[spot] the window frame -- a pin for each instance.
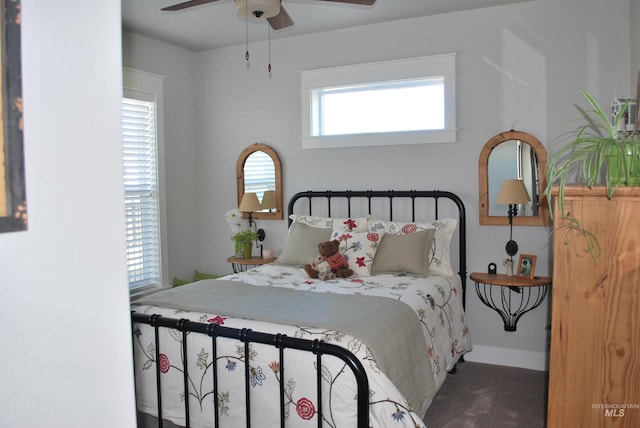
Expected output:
(443, 65)
(151, 86)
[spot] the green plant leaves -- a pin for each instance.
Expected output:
(574, 234)
(595, 153)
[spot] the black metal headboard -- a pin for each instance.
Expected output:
(364, 201)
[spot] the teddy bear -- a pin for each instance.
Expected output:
(338, 264)
(322, 268)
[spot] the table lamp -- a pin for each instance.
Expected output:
(250, 204)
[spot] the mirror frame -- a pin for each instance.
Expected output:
(542, 219)
(242, 158)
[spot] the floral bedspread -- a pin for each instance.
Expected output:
(436, 300)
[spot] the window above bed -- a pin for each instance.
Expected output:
(410, 101)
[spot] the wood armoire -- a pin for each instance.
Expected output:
(594, 372)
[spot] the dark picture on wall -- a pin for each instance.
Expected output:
(13, 200)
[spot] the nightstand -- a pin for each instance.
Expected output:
(241, 265)
(510, 296)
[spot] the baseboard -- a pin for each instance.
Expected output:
(508, 357)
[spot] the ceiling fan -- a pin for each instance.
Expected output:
(272, 10)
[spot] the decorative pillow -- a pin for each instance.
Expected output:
(439, 256)
(199, 276)
(177, 282)
(355, 224)
(359, 248)
(404, 253)
(302, 244)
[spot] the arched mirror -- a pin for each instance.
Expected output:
(258, 170)
(513, 154)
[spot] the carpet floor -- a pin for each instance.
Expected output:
(484, 395)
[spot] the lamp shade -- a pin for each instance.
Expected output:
(249, 203)
(513, 192)
(269, 200)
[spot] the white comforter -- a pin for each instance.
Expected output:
(436, 301)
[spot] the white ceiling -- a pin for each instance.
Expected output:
(216, 24)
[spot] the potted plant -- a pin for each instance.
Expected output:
(244, 242)
(599, 152)
(243, 236)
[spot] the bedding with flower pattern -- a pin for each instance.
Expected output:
(436, 301)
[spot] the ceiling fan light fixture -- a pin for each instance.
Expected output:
(258, 8)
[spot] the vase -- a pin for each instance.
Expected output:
(239, 254)
(632, 160)
(247, 249)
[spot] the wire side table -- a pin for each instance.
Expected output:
(510, 296)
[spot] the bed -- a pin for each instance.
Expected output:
(272, 347)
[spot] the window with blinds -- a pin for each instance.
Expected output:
(139, 140)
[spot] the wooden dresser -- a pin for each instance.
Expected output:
(594, 374)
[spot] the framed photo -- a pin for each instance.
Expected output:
(13, 199)
(526, 266)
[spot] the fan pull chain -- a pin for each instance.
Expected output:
(246, 24)
(269, 36)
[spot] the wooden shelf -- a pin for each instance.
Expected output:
(241, 264)
(255, 260)
(509, 281)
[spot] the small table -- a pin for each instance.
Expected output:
(241, 265)
(516, 295)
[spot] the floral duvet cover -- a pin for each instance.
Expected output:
(436, 300)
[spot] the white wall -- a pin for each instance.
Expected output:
(64, 305)
(519, 66)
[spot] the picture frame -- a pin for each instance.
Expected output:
(526, 266)
(13, 199)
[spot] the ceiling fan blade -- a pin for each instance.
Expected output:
(281, 20)
(362, 2)
(186, 5)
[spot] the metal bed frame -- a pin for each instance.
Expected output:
(283, 342)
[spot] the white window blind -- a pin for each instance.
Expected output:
(139, 139)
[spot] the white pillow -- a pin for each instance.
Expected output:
(354, 224)
(359, 248)
(440, 257)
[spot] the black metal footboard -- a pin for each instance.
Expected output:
(247, 336)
